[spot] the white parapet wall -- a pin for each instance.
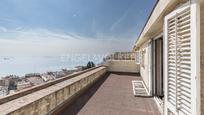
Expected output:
(127, 66)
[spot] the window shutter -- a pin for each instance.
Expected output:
(172, 80)
(178, 69)
(184, 61)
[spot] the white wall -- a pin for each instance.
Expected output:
(146, 70)
(128, 66)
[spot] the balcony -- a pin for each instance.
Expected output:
(100, 90)
(112, 95)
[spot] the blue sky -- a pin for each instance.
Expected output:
(56, 27)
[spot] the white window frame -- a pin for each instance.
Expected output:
(195, 32)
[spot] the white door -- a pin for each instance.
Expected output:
(180, 63)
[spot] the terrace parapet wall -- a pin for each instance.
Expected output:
(46, 100)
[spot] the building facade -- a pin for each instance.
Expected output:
(170, 47)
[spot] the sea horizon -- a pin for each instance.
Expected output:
(21, 65)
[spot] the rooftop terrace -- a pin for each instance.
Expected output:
(96, 91)
(112, 95)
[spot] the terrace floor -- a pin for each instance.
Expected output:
(112, 95)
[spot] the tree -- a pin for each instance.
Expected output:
(90, 64)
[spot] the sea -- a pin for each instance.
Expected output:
(21, 65)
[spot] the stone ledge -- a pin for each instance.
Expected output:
(42, 101)
(39, 87)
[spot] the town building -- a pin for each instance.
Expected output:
(10, 81)
(3, 91)
(47, 77)
(34, 78)
(23, 85)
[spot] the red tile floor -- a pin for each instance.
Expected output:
(112, 95)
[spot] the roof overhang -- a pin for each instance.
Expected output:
(154, 24)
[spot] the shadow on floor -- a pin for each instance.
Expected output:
(125, 73)
(77, 105)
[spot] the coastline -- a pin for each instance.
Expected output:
(20, 65)
(12, 83)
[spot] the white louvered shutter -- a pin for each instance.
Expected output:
(184, 62)
(178, 76)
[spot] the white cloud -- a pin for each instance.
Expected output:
(3, 29)
(42, 42)
(74, 15)
(116, 23)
